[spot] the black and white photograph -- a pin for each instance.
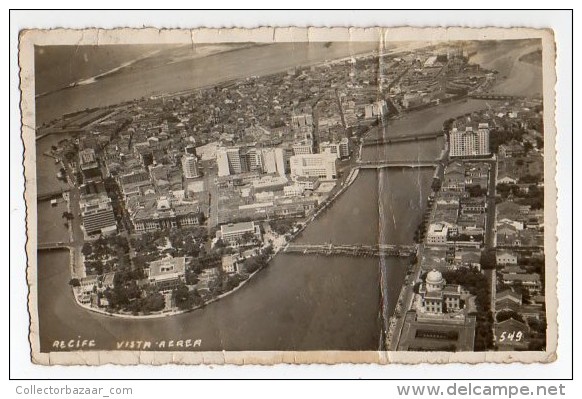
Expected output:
(383, 196)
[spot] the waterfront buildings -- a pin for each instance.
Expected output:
(329, 148)
(97, 215)
(469, 141)
(378, 109)
(233, 233)
(231, 264)
(166, 274)
(88, 163)
(322, 166)
(441, 318)
(437, 296)
(344, 148)
(437, 234)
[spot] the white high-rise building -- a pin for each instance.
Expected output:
(322, 166)
(222, 162)
(469, 142)
(190, 166)
(234, 160)
(236, 163)
(344, 147)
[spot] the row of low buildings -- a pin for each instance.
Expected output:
(457, 218)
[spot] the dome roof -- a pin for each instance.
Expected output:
(434, 277)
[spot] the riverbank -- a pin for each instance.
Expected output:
(163, 314)
(191, 74)
(77, 262)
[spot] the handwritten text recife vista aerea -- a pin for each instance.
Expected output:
(163, 344)
(90, 344)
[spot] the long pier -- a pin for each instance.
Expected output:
(402, 138)
(50, 246)
(360, 250)
(50, 195)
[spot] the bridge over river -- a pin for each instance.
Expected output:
(51, 195)
(51, 246)
(351, 250)
(396, 164)
(403, 138)
(497, 97)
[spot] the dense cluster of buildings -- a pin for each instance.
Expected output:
(431, 77)
(458, 215)
(271, 147)
(462, 223)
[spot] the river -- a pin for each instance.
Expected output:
(158, 76)
(297, 302)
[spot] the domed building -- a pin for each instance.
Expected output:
(442, 318)
(438, 297)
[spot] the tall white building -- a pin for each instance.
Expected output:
(344, 147)
(190, 166)
(234, 160)
(469, 142)
(322, 166)
(222, 162)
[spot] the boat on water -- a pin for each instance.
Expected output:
(54, 202)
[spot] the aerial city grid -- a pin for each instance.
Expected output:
(353, 200)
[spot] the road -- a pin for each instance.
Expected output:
(210, 173)
(407, 300)
(76, 233)
(491, 193)
(490, 229)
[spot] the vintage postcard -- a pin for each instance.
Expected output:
(290, 195)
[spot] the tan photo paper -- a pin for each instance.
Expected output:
(290, 195)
